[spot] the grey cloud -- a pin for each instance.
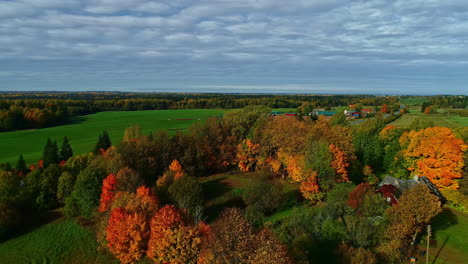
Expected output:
(237, 36)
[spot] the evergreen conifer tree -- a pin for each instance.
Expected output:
(106, 142)
(66, 151)
(98, 145)
(21, 165)
(50, 154)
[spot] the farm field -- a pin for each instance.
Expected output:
(450, 121)
(84, 131)
(61, 241)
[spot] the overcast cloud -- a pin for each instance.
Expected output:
(314, 46)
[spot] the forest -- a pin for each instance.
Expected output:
(311, 186)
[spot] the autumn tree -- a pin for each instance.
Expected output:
(247, 153)
(233, 240)
(340, 163)
(109, 186)
(128, 229)
(268, 250)
(132, 133)
(416, 207)
(436, 153)
(171, 239)
(310, 188)
(355, 198)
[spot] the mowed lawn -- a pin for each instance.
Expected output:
(451, 121)
(62, 241)
(84, 131)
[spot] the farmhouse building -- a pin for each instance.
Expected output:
(391, 188)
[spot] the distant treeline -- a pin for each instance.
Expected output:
(29, 110)
(452, 102)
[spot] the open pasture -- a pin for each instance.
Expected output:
(445, 120)
(84, 130)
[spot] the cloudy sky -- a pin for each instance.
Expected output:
(261, 46)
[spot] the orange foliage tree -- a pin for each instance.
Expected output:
(247, 153)
(436, 153)
(310, 188)
(109, 185)
(339, 163)
(171, 240)
(127, 230)
(174, 172)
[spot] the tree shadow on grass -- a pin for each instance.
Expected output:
(440, 250)
(219, 196)
(77, 120)
(31, 222)
(443, 221)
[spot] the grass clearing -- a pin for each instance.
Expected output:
(84, 130)
(444, 120)
(449, 243)
(225, 190)
(61, 241)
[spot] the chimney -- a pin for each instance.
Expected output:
(416, 178)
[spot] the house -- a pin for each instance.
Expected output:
(367, 111)
(290, 114)
(391, 188)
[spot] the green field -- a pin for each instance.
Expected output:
(84, 130)
(451, 121)
(62, 241)
(449, 243)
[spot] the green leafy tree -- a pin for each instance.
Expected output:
(47, 192)
(66, 182)
(9, 201)
(66, 151)
(86, 193)
(339, 119)
(187, 192)
(262, 198)
(318, 158)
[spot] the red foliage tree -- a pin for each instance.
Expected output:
(127, 230)
(109, 185)
(355, 197)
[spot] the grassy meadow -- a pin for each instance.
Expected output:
(451, 121)
(84, 130)
(61, 241)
